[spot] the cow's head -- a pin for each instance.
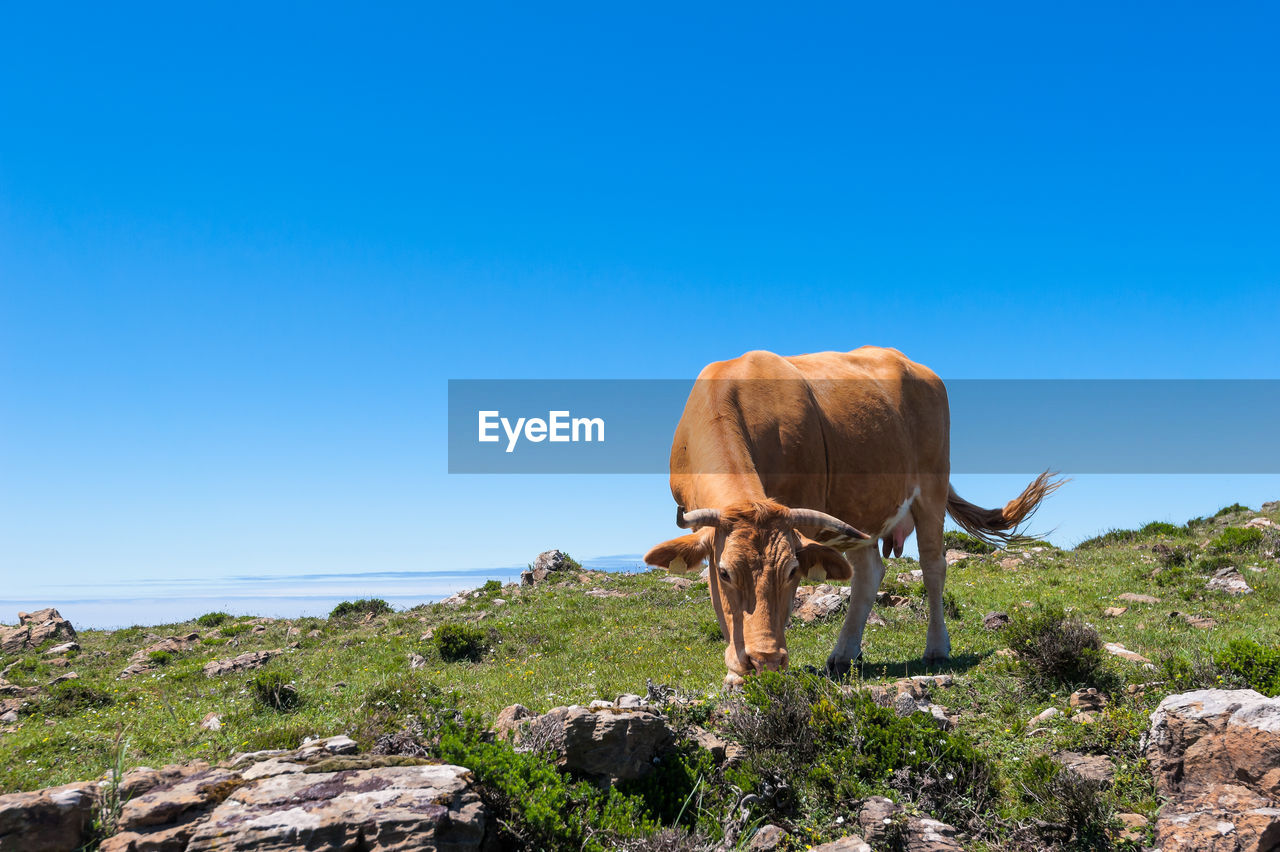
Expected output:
(758, 558)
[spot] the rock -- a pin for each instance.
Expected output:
(1088, 700)
(1004, 652)
(1118, 650)
(889, 600)
(1259, 523)
(1096, 768)
(9, 716)
(1115, 611)
(1010, 562)
(547, 563)
(1215, 755)
(614, 745)
(629, 701)
(1202, 622)
(63, 678)
(508, 723)
(878, 815)
(1134, 826)
(56, 819)
(141, 660)
(816, 607)
(1134, 598)
(417, 661)
(954, 556)
(1045, 715)
(64, 648)
(852, 843)
(766, 839)
(1273, 506)
(606, 593)
(1229, 580)
(211, 722)
(680, 583)
(244, 662)
(718, 747)
(996, 620)
(314, 634)
(34, 629)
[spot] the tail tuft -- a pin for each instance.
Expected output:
(1001, 527)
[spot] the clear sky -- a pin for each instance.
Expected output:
(243, 247)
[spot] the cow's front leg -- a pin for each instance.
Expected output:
(868, 571)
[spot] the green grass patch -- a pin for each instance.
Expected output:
(361, 607)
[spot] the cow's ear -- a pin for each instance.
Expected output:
(819, 562)
(681, 554)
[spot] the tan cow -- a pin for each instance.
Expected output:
(778, 464)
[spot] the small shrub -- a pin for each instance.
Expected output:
(1230, 510)
(1108, 538)
(956, 540)
(363, 606)
(460, 642)
(1236, 540)
(1057, 650)
(1075, 808)
(71, 698)
(236, 629)
(212, 619)
(1212, 564)
(1185, 673)
(1257, 665)
(1160, 528)
(160, 658)
(1174, 576)
(710, 631)
(274, 691)
(491, 587)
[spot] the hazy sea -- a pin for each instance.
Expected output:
(109, 605)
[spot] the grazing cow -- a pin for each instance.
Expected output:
(779, 464)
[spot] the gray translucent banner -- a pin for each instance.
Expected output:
(997, 426)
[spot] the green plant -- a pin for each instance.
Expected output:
(1230, 510)
(71, 698)
(1257, 665)
(160, 658)
(212, 619)
(111, 800)
(460, 642)
(956, 540)
(275, 691)
(491, 587)
(1161, 528)
(1057, 650)
(1236, 540)
(363, 606)
(710, 631)
(1077, 811)
(1107, 538)
(236, 629)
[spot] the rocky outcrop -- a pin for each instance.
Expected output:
(244, 662)
(1215, 754)
(1229, 580)
(606, 742)
(547, 563)
(51, 820)
(913, 695)
(814, 603)
(144, 661)
(887, 824)
(34, 629)
(319, 797)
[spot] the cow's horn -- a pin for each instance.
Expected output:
(696, 518)
(813, 518)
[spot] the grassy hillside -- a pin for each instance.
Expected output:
(556, 644)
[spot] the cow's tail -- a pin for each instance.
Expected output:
(1002, 527)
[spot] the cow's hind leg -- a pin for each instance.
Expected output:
(868, 571)
(929, 516)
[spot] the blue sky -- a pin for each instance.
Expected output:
(243, 248)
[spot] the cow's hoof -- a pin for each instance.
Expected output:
(733, 681)
(838, 669)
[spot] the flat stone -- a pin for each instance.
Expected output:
(954, 556)
(1131, 597)
(244, 662)
(996, 620)
(55, 819)
(1229, 580)
(766, 839)
(1115, 611)
(1118, 650)
(1096, 768)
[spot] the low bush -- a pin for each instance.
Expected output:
(1108, 538)
(1236, 540)
(71, 698)
(956, 540)
(1161, 528)
(1258, 666)
(810, 744)
(1186, 672)
(1057, 650)
(212, 619)
(363, 606)
(1230, 510)
(236, 629)
(710, 631)
(274, 691)
(460, 642)
(1076, 813)
(160, 658)
(491, 587)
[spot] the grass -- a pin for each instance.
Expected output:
(554, 645)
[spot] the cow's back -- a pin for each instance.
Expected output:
(843, 432)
